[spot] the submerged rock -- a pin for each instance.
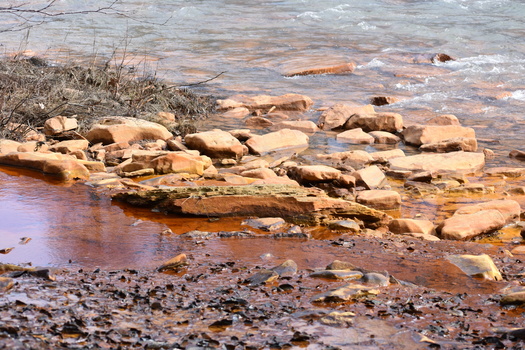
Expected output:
(345, 68)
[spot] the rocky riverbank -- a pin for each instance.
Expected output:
(268, 172)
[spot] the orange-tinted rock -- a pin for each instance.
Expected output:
(505, 171)
(370, 177)
(391, 122)
(258, 122)
(423, 134)
(384, 137)
(314, 173)
(339, 69)
(261, 173)
(59, 124)
(517, 154)
(403, 226)
(349, 159)
(126, 129)
(288, 102)
(178, 162)
(355, 136)
(69, 146)
(384, 156)
(453, 162)
(463, 227)
(383, 100)
(279, 140)
(33, 146)
(215, 143)
(379, 199)
(306, 126)
(510, 209)
(337, 115)
(55, 164)
(8, 146)
(452, 145)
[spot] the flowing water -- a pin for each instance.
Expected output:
(254, 45)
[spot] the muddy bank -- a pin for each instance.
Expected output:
(209, 304)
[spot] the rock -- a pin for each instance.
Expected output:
(404, 226)
(423, 134)
(126, 129)
(386, 121)
(286, 269)
(178, 162)
(261, 173)
(505, 172)
(345, 293)
(355, 136)
(514, 298)
(266, 224)
(344, 225)
(175, 145)
(421, 188)
(166, 117)
(379, 199)
(54, 164)
(174, 263)
(346, 181)
(383, 100)
(288, 102)
(384, 137)
(422, 236)
(337, 274)
(258, 122)
(8, 146)
(70, 146)
(241, 134)
(477, 266)
(314, 173)
(517, 154)
(237, 113)
(6, 283)
(370, 177)
(510, 209)
(346, 68)
(33, 146)
(337, 115)
(276, 141)
(59, 124)
(384, 156)
(452, 145)
(295, 204)
(262, 277)
(306, 126)
(376, 279)
(341, 265)
(445, 119)
(467, 226)
(215, 143)
(453, 162)
(338, 319)
(349, 159)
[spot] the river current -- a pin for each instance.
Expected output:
(254, 45)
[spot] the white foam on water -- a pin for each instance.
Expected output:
(517, 95)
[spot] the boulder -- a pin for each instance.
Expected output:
(379, 199)
(453, 162)
(510, 209)
(288, 102)
(391, 122)
(452, 145)
(370, 177)
(404, 226)
(70, 146)
(59, 124)
(56, 164)
(276, 141)
(355, 136)
(423, 134)
(345, 68)
(306, 126)
(445, 119)
(383, 100)
(337, 115)
(126, 129)
(384, 137)
(314, 173)
(467, 226)
(215, 143)
(178, 162)
(8, 146)
(349, 159)
(477, 266)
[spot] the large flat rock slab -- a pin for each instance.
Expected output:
(453, 162)
(296, 204)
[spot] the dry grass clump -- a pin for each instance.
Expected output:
(33, 91)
